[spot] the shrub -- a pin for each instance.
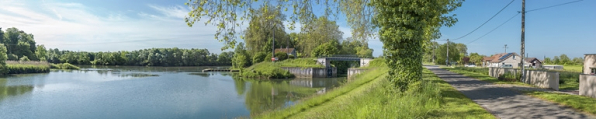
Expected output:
(259, 57)
(508, 76)
(64, 66)
(281, 56)
(268, 57)
(24, 58)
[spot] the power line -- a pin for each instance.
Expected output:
(553, 6)
(486, 21)
(495, 28)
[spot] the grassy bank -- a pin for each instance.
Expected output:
(274, 70)
(582, 103)
(64, 66)
(371, 96)
(27, 68)
(22, 67)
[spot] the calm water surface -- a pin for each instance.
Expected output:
(148, 92)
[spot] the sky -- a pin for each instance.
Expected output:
(115, 25)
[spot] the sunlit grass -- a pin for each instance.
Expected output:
(27, 68)
(372, 96)
(586, 104)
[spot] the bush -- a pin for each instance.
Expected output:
(24, 58)
(63, 66)
(268, 57)
(281, 56)
(508, 76)
(259, 57)
(12, 57)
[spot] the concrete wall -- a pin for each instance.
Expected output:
(589, 62)
(587, 85)
(354, 71)
(542, 79)
(365, 61)
(310, 72)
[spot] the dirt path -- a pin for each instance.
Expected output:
(503, 102)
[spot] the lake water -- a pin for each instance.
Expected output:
(149, 92)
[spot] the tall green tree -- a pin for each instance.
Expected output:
(454, 53)
(547, 60)
(564, 59)
(262, 29)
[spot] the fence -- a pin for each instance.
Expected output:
(542, 79)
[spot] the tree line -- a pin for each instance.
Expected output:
(19, 45)
(458, 52)
(563, 59)
(320, 38)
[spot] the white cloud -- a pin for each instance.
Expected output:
(74, 26)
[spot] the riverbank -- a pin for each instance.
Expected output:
(370, 95)
(273, 70)
(24, 67)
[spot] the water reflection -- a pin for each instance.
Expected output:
(266, 95)
(8, 91)
(155, 93)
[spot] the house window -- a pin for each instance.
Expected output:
(593, 71)
(514, 57)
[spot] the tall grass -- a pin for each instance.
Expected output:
(64, 66)
(27, 68)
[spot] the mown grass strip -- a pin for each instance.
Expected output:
(582, 103)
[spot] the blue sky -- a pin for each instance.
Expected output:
(113, 25)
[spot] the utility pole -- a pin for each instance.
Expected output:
(447, 60)
(505, 48)
(273, 44)
(523, 40)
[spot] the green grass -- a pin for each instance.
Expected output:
(372, 96)
(480, 74)
(64, 66)
(582, 103)
(27, 68)
(573, 68)
(274, 70)
(568, 80)
(302, 62)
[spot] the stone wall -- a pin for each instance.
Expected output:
(587, 85)
(542, 79)
(310, 72)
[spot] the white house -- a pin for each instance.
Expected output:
(501, 59)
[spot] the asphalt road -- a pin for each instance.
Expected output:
(505, 103)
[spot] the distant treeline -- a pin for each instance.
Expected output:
(144, 57)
